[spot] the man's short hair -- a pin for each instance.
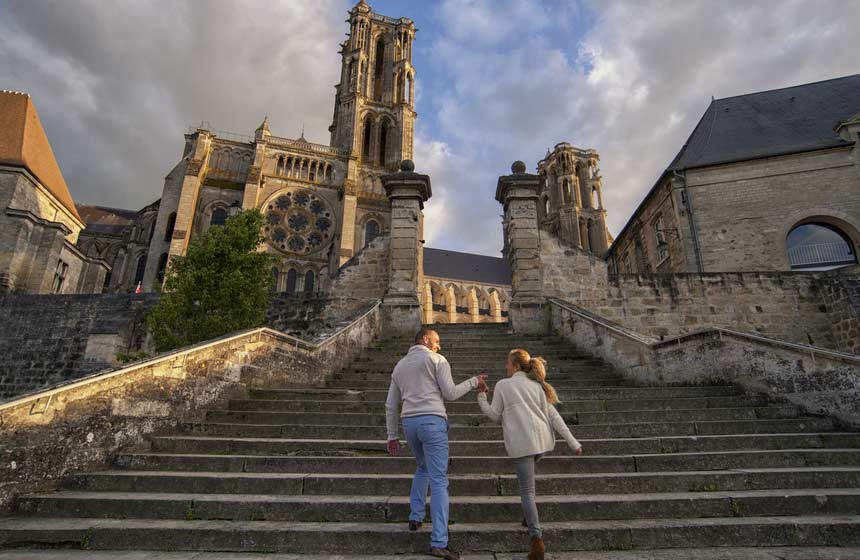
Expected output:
(425, 331)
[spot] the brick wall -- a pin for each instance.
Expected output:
(46, 339)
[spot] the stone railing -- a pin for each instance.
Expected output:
(80, 425)
(821, 381)
(307, 146)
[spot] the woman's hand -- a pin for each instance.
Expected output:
(482, 384)
(578, 452)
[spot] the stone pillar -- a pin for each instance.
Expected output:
(194, 172)
(474, 313)
(428, 304)
(451, 304)
(407, 192)
(518, 193)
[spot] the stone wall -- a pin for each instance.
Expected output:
(841, 294)
(80, 426)
(46, 339)
(791, 306)
(361, 280)
(820, 381)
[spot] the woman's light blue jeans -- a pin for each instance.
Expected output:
(428, 439)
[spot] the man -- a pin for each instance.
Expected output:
(420, 380)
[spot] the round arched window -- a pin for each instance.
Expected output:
(817, 246)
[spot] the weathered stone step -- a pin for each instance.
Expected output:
(464, 509)
(381, 463)
(632, 393)
(684, 444)
(470, 405)
(382, 381)
(383, 376)
(465, 485)
(584, 431)
(633, 416)
(718, 553)
(388, 538)
(494, 367)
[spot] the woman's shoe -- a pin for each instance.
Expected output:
(537, 549)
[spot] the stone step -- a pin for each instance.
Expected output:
(468, 405)
(465, 485)
(494, 367)
(584, 431)
(629, 393)
(684, 444)
(359, 382)
(633, 416)
(394, 538)
(381, 463)
(383, 376)
(718, 553)
(464, 509)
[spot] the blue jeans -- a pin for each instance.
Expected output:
(428, 439)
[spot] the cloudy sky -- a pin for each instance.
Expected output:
(117, 82)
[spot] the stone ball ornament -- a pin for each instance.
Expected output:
(407, 166)
(298, 222)
(518, 167)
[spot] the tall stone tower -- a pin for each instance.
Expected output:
(571, 198)
(373, 111)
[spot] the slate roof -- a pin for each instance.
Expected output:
(764, 124)
(768, 123)
(101, 219)
(466, 266)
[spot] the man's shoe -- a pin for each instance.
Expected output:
(536, 552)
(446, 553)
(414, 525)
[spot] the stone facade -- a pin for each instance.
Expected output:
(804, 307)
(323, 203)
(39, 224)
(735, 192)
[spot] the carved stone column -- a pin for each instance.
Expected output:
(407, 192)
(518, 193)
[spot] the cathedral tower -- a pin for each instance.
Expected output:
(373, 111)
(572, 198)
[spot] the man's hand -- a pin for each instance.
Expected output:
(482, 384)
(393, 447)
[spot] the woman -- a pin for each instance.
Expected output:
(523, 403)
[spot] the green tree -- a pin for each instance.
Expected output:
(221, 285)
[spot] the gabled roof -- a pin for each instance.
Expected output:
(768, 123)
(23, 143)
(466, 266)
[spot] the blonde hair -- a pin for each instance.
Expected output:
(534, 368)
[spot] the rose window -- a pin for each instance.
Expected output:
(299, 222)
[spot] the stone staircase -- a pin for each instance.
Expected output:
(303, 472)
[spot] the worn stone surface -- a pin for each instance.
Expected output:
(82, 426)
(45, 339)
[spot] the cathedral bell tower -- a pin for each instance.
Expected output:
(374, 114)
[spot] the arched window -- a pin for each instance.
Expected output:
(171, 223)
(219, 217)
(366, 137)
(371, 231)
(275, 274)
(546, 206)
(279, 168)
(162, 267)
(383, 142)
(595, 199)
(141, 268)
(568, 195)
(409, 88)
(378, 68)
(309, 282)
(328, 174)
(312, 173)
(106, 285)
(151, 232)
(291, 281)
(398, 94)
(819, 246)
